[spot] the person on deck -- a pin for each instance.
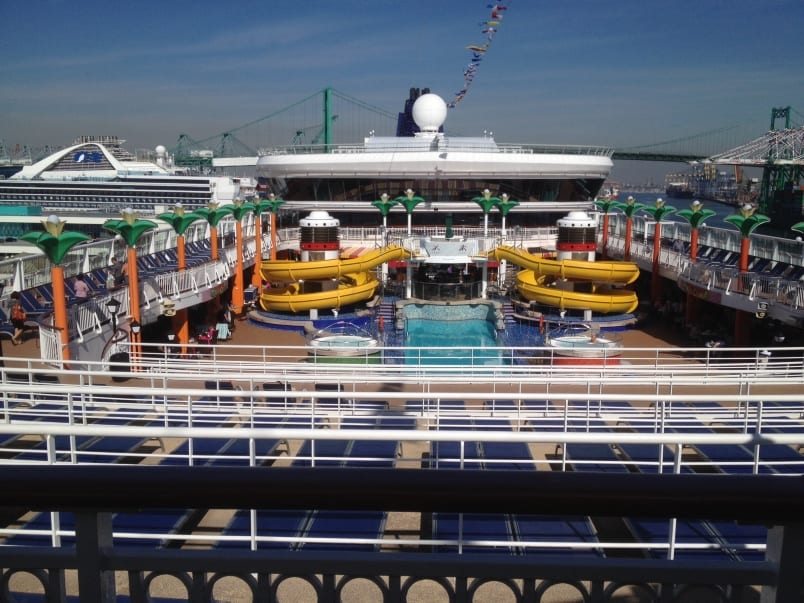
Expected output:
(80, 287)
(18, 317)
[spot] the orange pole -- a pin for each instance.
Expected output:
(181, 323)
(745, 248)
(604, 243)
(627, 249)
(60, 309)
(213, 237)
(238, 296)
(694, 245)
(656, 282)
(181, 252)
(256, 277)
(692, 302)
(742, 319)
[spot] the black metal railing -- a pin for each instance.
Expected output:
(94, 493)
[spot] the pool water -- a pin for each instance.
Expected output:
(451, 342)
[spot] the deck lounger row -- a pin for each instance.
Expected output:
(293, 525)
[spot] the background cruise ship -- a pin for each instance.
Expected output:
(96, 174)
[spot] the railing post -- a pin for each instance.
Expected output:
(93, 537)
(786, 550)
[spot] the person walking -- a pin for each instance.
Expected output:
(18, 317)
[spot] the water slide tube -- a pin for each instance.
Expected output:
(351, 289)
(293, 270)
(534, 282)
(355, 284)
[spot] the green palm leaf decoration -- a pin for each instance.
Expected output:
(214, 213)
(180, 219)
(55, 242)
(606, 205)
(130, 228)
(486, 201)
(696, 215)
(505, 205)
(384, 204)
(409, 200)
(747, 221)
(629, 207)
(271, 204)
(659, 210)
(239, 209)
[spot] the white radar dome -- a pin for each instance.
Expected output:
(429, 112)
(160, 150)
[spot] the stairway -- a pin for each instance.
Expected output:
(508, 313)
(386, 314)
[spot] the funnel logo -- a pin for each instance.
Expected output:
(88, 157)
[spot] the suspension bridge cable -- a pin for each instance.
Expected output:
(275, 113)
(685, 138)
(364, 105)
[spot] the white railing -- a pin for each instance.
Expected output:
(62, 426)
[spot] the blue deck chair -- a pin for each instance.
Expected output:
(473, 527)
(449, 455)
(338, 524)
(322, 453)
(531, 529)
(276, 523)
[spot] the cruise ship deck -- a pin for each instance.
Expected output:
(487, 475)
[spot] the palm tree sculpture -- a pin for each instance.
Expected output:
(486, 203)
(261, 205)
(384, 204)
(409, 200)
(747, 221)
(180, 220)
(658, 212)
(55, 242)
(131, 229)
(606, 204)
(239, 210)
(629, 208)
(505, 206)
(213, 214)
(695, 215)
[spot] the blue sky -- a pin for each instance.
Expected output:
(616, 72)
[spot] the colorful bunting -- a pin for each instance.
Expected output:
(489, 28)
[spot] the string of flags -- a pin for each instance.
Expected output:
(488, 28)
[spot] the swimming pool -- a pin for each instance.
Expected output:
(455, 334)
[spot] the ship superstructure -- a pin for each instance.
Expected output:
(447, 171)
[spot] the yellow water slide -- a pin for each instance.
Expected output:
(535, 282)
(355, 282)
(293, 270)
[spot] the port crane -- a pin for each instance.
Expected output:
(780, 154)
